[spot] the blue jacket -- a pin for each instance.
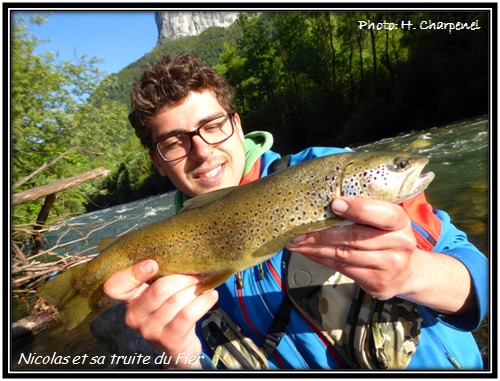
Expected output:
(446, 341)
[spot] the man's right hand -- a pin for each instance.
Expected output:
(164, 312)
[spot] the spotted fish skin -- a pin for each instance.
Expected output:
(222, 232)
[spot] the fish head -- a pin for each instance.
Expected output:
(386, 176)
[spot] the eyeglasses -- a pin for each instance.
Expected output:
(180, 143)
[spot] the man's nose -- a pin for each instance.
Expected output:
(200, 149)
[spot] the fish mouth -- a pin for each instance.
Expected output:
(423, 181)
(415, 183)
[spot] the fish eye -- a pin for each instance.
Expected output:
(400, 164)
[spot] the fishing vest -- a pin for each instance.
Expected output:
(367, 333)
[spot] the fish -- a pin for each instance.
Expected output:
(225, 231)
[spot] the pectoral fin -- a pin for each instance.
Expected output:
(215, 280)
(320, 225)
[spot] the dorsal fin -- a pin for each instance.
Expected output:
(205, 199)
(105, 243)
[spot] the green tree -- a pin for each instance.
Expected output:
(52, 111)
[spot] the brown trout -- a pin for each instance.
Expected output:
(225, 231)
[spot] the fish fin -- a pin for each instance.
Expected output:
(215, 280)
(75, 311)
(105, 243)
(58, 291)
(205, 199)
(319, 225)
(73, 308)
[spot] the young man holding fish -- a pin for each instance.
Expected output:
(177, 104)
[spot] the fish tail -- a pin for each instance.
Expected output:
(73, 307)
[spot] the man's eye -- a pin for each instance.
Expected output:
(213, 127)
(170, 142)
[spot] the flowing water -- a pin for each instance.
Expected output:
(459, 156)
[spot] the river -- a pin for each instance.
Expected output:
(459, 156)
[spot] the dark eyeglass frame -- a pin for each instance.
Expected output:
(196, 132)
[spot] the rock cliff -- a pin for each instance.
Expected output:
(173, 25)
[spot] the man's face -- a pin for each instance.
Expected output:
(207, 167)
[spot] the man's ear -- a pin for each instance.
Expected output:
(238, 128)
(156, 161)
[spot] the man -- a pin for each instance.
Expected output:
(184, 115)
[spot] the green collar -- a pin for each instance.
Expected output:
(255, 144)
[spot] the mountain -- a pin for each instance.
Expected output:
(173, 25)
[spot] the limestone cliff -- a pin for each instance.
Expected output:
(173, 25)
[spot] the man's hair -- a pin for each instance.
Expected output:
(168, 82)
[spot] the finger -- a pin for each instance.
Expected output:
(194, 311)
(379, 214)
(357, 236)
(171, 327)
(343, 256)
(163, 298)
(343, 267)
(127, 284)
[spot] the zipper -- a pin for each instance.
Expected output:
(239, 290)
(447, 354)
(427, 241)
(276, 277)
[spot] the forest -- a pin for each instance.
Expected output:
(310, 78)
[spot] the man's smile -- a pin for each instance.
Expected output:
(210, 175)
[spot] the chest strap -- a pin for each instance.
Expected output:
(277, 329)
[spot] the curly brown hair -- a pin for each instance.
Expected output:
(168, 82)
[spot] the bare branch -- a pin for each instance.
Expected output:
(44, 190)
(30, 273)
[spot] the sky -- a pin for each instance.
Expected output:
(116, 37)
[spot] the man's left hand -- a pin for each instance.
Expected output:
(376, 251)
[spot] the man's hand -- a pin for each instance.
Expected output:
(164, 312)
(376, 251)
(379, 253)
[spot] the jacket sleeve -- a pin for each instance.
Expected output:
(454, 242)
